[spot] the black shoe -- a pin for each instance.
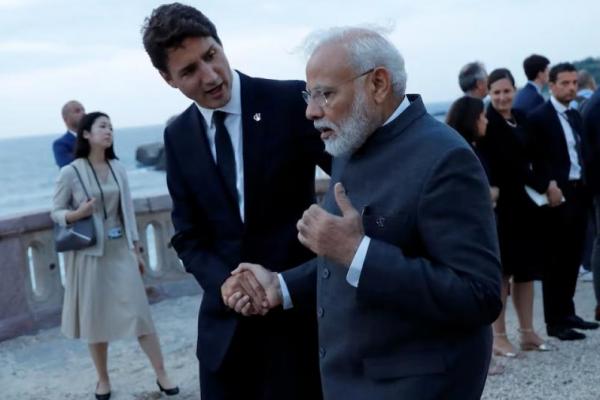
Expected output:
(104, 396)
(168, 392)
(579, 323)
(564, 333)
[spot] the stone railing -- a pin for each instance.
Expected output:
(31, 272)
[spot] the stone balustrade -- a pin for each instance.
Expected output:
(31, 282)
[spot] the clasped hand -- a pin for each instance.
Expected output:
(253, 290)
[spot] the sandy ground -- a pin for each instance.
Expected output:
(48, 366)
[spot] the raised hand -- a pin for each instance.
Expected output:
(328, 235)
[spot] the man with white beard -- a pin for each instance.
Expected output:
(407, 278)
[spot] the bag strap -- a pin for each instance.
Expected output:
(81, 181)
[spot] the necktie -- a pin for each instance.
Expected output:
(574, 118)
(225, 155)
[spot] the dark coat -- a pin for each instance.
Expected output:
(63, 149)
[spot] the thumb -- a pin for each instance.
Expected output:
(342, 200)
(241, 268)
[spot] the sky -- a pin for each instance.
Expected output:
(54, 51)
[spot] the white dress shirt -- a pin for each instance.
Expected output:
(358, 261)
(575, 170)
(233, 123)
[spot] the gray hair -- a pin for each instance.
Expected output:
(585, 80)
(366, 49)
(470, 74)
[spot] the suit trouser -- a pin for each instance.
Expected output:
(566, 226)
(595, 263)
(268, 359)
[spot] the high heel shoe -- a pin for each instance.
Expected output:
(168, 392)
(105, 396)
(531, 346)
(502, 353)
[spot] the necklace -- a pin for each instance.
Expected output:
(512, 123)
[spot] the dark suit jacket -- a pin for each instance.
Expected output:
(63, 149)
(527, 99)
(280, 154)
(591, 129)
(417, 326)
(549, 151)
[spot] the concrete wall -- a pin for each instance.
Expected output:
(31, 290)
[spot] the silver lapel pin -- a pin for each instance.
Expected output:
(256, 117)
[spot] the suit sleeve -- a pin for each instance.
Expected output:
(62, 154)
(63, 193)
(192, 239)
(457, 281)
(301, 282)
(541, 174)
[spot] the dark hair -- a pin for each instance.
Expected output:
(82, 145)
(534, 64)
(469, 75)
(168, 26)
(500, 73)
(558, 68)
(463, 116)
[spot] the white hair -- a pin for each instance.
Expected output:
(367, 48)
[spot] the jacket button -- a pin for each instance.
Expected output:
(320, 312)
(321, 352)
(325, 273)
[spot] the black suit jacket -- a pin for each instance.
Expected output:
(280, 151)
(528, 99)
(591, 129)
(549, 151)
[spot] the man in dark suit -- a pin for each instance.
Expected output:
(591, 125)
(529, 96)
(472, 80)
(240, 170)
(408, 275)
(559, 159)
(63, 147)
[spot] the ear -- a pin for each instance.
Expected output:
(167, 77)
(380, 84)
(86, 134)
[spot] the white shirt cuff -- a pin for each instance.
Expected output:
(358, 261)
(285, 293)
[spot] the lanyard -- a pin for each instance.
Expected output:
(100, 187)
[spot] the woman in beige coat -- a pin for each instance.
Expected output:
(105, 298)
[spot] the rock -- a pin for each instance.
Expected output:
(149, 154)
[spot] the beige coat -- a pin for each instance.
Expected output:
(69, 194)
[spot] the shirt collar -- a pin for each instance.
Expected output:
(403, 106)
(72, 132)
(587, 93)
(536, 86)
(234, 106)
(560, 108)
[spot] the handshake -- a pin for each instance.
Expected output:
(254, 290)
(251, 290)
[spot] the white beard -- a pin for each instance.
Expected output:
(352, 132)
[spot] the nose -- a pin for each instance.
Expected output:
(313, 111)
(208, 73)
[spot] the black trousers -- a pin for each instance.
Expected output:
(270, 358)
(565, 230)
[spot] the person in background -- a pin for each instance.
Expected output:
(105, 299)
(558, 155)
(586, 86)
(591, 124)
(530, 96)
(472, 80)
(63, 147)
(467, 116)
(505, 149)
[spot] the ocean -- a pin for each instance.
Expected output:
(28, 171)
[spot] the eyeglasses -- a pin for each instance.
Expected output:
(322, 95)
